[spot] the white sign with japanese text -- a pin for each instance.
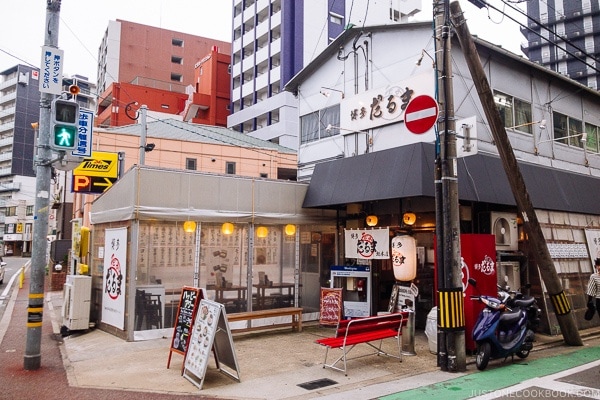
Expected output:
(369, 244)
(383, 106)
(51, 70)
(592, 237)
(114, 276)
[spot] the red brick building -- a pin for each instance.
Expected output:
(152, 66)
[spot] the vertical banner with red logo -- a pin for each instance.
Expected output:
(478, 261)
(114, 277)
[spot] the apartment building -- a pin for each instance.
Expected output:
(19, 116)
(564, 35)
(274, 39)
(161, 60)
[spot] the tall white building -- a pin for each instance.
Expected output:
(274, 39)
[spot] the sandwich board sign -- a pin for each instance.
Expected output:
(186, 314)
(211, 333)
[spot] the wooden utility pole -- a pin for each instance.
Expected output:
(560, 302)
(451, 351)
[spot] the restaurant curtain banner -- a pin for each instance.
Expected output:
(368, 244)
(113, 277)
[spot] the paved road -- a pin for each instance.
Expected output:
(574, 375)
(13, 266)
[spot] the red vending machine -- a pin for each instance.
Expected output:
(478, 261)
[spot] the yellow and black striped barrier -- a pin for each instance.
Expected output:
(35, 311)
(561, 303)
(451, 309)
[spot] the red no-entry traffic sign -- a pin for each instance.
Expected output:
(421, 114)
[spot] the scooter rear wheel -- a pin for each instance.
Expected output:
(482, 358)
(522, 353)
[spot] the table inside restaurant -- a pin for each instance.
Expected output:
(279, 298)
(220, 295)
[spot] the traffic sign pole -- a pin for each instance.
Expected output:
(32, 358)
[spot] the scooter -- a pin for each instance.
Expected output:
(516, 299)
(501, 331)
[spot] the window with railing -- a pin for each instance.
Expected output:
(592, 132)
(567, 130)
(313, 126)
(515, 113)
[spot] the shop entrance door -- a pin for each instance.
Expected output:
(316, 258)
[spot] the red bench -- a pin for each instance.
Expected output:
(351, 332)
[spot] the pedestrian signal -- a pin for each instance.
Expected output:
(65, 118)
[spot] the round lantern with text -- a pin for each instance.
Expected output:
(404, 258)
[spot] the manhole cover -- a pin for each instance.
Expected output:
(319, 383)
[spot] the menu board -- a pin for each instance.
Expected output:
(186, 313)
(331, 306)
(209, 334)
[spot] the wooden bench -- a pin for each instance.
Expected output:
(351, 332)
(294, 312)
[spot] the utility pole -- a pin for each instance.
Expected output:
(35, 308)
(143, 150)
(451, 319)
(560, 302)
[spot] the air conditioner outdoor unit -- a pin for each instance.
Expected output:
(509, 274)
(504, 228)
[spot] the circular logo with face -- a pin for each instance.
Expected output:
(114, 278)
(366, 245)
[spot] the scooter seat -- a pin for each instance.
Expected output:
(509, 318)
(524, 303)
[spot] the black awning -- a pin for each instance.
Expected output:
(407, 171)
(394, 173)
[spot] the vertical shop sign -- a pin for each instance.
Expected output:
(113, 277)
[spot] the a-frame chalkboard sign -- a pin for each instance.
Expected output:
(186, 314)
(210, 332)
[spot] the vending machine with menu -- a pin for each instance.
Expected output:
(355, 282)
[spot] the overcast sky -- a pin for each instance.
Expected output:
(83, 23)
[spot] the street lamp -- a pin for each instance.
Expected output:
(325, 91)
(423, 54)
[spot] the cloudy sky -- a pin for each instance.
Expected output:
(83, 23)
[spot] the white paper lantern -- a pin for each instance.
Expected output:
(404, 258)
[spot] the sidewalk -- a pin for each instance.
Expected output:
(97, 365)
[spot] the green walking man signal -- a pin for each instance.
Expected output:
(65, 120)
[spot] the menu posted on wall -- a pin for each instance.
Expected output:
(331, 306)
(186, 313)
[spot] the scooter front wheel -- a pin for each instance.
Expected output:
(482, 358)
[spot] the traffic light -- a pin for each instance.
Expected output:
(65, 119)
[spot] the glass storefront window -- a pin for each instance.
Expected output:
(165, 263)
